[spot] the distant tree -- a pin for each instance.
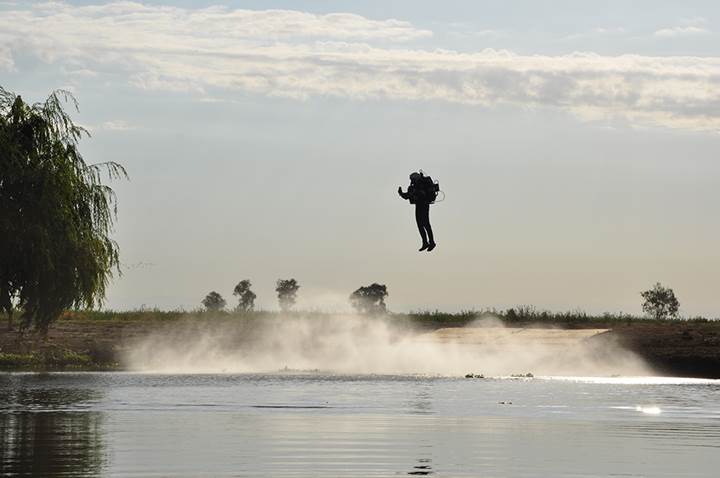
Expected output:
(370, 299)
(246, 297)
(660, 302)
(56, 214)
(214, 302)
(287, 293)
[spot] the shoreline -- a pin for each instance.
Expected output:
(82, 342)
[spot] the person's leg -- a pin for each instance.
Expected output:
(420, 215)
(431, 237)
(428, 228)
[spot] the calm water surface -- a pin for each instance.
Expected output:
(121, 424)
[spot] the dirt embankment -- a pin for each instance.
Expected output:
(73, 345)
(677, 349)
(689, 349)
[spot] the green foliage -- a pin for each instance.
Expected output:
(422, 319)
(660, 302)
(47, 360)
(11, 361)
(214, 302)
(246, 297)
(287, 293)
(125, 316)
(55, 213)
(525, 315)
(370, 299)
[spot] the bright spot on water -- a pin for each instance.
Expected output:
(653, 410)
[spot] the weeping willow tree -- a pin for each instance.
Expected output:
(56, 214)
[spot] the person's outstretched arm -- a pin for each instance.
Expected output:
(401, 193)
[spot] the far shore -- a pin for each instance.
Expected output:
(91, 340)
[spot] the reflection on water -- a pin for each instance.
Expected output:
(423, 468)
(39, 438)
(45, 399)
(328, 426)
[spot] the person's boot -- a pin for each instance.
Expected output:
(431, 246)
(424, 246)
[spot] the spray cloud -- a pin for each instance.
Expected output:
(353, 344)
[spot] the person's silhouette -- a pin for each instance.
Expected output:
(417, 195)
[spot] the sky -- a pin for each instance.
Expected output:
(576, 143)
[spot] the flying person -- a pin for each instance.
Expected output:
(422, 192)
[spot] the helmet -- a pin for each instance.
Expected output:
(415, 176)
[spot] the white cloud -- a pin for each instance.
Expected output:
(81, 72)
(475, 34)
(609, 30)
(111, 125)
(214, 23)
(595, 32)
(680, 31)
(6, 59)
(694, 21)
(116, 125)
(300, 55)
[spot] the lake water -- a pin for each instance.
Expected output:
(124, 424)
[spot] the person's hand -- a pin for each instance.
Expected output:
(399, 189)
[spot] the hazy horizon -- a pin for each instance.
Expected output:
(577, 145)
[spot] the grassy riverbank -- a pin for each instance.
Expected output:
(92, 340)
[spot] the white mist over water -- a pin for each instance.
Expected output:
(351, 344)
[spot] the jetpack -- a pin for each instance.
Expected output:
(425, 188)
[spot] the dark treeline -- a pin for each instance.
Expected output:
(365, 300)
(659, 303)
